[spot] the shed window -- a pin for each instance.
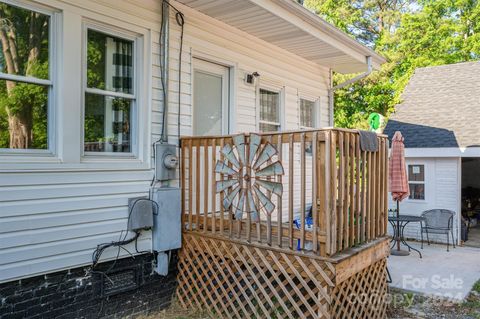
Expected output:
(307, 113)
(269, 111)
(109, 94)
(25, 78)
(416, 181)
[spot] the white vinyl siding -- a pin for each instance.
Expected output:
(55, 212)
(442, 185)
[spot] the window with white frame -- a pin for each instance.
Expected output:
(307, 113)
(110, 95)
(26, 83)
(269, 111)
(416, 181)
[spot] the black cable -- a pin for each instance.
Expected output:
(97, 253)
(180, 19)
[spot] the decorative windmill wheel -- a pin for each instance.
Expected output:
(248, 174)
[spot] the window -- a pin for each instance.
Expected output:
(307, 114)
(25, 78)
(269, 111)
(109, 94)
(416, 181)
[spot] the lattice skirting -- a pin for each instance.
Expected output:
(363, 295)
(235, 280)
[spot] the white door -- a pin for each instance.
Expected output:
(210, 98)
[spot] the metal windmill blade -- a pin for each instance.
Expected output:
(267, 153)
(223, 168)
(274, 187)
(265, 202)
(252, 207)
(239, 209)
(239, 142)
(224, 185)
(255, 141)
(230, 156)
(271, 170)
(228, 200)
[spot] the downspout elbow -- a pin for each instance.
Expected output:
(359, 77)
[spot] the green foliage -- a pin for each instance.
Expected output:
(96, 60)
(410, 34)
(27, 102)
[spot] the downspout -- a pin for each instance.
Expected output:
(164, 45)
(332, 89)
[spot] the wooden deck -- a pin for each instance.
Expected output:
(281, 266)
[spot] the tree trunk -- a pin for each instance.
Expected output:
(20, 124)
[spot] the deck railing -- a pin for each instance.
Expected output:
(334, 194)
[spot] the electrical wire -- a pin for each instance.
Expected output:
(97, 253)
(180, 19)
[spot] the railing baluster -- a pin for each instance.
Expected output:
(222, 178)
(205, 184)
(346, 202)
(214, 186)
(249, 218)
(352, 191)
(315, 181)
(369, 196)
(341, 190)
(333, 192)
(364, 197)
(183, 160)
(290, 191)
(279, 198)
(197, 186)
(358, 204)
(190, 185)
(269, 195)
(385, 189)
(302, 190)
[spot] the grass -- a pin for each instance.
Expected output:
(175, 311)
(421, 307)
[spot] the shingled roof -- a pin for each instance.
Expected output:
(440, 107)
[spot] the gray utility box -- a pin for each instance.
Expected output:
(166, 161)
(167, 232)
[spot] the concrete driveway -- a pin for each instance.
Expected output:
(440, 273)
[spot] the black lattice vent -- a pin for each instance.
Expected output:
(121, 280)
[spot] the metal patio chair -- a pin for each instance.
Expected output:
(438, 221)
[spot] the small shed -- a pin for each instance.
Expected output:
(440, 120)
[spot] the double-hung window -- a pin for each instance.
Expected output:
(269, 111)
(110, 94)
(26, 83)
(416, 181)
(307, 114)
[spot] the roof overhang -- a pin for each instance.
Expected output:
(290, 26)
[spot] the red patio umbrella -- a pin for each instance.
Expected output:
(398, 185)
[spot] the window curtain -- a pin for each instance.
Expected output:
(122, 60)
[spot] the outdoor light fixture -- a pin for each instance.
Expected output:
(250, 77)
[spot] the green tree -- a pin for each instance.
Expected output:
(23, 107)
(410, 34)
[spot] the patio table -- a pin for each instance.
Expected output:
(399, 223)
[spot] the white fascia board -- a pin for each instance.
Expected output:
(443, 152)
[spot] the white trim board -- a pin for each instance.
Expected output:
(443, 152)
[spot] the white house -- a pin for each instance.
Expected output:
(102, 79)
(439, 120)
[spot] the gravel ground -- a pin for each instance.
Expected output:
(404, 306)
(419, 307)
